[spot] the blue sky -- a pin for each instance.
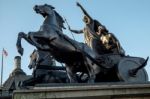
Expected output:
(129, 20)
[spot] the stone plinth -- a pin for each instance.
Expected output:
(86, 91)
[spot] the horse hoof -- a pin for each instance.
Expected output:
(21, 50)
(21, 34)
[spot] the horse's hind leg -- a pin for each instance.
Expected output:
(91, 72)
(71, 75)
(91, 77)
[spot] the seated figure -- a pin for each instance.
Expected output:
(109, 41)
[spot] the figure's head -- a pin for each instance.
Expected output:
(86, 19)
(102, 30)
(44, 10)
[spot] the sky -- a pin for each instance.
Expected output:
(129, 20)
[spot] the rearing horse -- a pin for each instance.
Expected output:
(52, 18)
(77, 56)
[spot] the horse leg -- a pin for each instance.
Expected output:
(90, 70)
(41, 34)
(71, 75)
(32, 36)
(91, 76)
(18, 44)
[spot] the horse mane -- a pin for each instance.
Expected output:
(59, 20)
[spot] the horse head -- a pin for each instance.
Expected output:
(44, 10)
(33, 59)
(48, 10)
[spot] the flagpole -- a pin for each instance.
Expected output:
(2, 70)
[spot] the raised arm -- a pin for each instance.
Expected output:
(75, 31)
(84, 11)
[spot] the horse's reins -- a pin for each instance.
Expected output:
(68, 27)
(78, 48)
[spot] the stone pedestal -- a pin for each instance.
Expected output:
(86, 91)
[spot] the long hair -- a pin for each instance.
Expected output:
(97, 24)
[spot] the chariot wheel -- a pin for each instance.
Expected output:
(127, 64)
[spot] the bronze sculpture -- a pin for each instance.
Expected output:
(44, 70)
(78, 57)
(98, 37)
(50, 38)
